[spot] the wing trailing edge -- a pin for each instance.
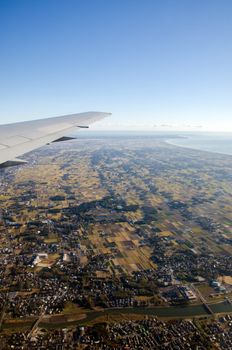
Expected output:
(22, 137)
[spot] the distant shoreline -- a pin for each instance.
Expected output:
(214, 143)
(171, 141)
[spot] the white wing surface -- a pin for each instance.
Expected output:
(19, 138)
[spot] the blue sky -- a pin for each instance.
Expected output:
(155, 64)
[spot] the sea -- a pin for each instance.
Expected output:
(211, 142)
(205, 141)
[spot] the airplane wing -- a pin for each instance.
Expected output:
(19, 138)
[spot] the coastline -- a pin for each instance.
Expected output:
(171, 142)
(213, 143)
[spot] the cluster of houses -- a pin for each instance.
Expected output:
(146, 334)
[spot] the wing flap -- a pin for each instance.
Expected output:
(12, 162)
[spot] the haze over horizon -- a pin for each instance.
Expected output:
(155, 65)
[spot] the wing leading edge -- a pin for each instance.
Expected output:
(19, 138)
